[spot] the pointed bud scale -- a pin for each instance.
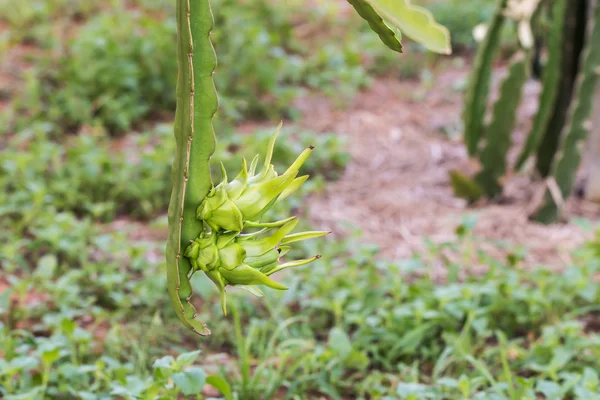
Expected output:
(300, 160)
(291, 264)
(268, 258)
(256, 198)
(296, 237)
(269, 156)
(276, 224)
(260, 246)
(232, 256)
(223, 174)
(237, 186)
(192, 250)
(225, 239)
(246, 275)
(253, 290)
(253, 165)
(295, 185)
(283, 250)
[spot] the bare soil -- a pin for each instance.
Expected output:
(396, 188)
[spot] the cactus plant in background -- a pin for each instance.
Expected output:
(477, 93)
(577, 128)
(573, 42)
(493, 156)
(496, 134)
(550, 81)
(218, 229)
(563, 21)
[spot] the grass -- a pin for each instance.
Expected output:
(85, 181)
(98, 66)
(352, 326)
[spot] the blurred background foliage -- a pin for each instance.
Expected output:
(86, 148)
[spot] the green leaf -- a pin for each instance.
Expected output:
(415, 22)
(550, 390)
(221, 385)
(46, 266)
(340, 343)
(186, 359)
(190, 381)
(51, 355)
(163, 367)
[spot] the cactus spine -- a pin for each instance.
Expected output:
(578, 126)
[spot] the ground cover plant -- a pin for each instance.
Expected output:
(83, 306)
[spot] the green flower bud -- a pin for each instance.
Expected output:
(205, 250)
(219, 211)
(231, 257)
(230, 204)
(237, 259)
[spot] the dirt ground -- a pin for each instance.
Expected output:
(396, 188)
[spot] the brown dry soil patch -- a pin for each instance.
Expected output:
(396, 187)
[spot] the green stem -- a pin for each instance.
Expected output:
(195, 139)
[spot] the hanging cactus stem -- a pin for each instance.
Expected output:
(218, 229)
(195, 143)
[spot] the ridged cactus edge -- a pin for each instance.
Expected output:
(195, 143)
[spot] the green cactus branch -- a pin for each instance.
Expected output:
(578, 126)
(477, 93)
(550, 83)
(498, 134)
(573, 43)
